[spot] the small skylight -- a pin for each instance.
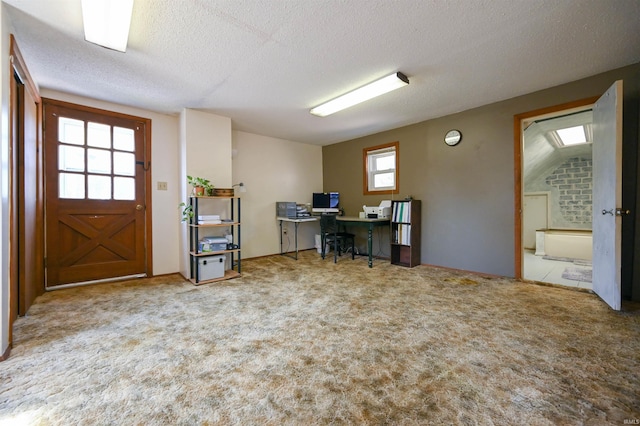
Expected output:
(572, 135)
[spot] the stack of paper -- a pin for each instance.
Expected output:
(210, 219)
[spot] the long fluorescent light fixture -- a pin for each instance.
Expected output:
(371, 90)
(107, 22)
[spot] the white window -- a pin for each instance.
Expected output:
(381, 169)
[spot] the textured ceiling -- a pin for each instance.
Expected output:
(265, 63)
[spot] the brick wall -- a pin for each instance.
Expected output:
(574, 180)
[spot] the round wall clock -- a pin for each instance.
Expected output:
(453, 137)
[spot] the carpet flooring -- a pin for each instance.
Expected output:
(312, 342)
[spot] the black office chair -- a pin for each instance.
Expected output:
(331, 234)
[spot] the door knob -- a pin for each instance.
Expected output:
(139, 207)
(605, 212)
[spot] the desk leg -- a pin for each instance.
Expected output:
(282, 252)
(370, 245)
(296, 237)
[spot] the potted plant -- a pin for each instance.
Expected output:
(201, 186)
(187, 212)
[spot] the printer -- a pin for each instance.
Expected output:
(382, 211)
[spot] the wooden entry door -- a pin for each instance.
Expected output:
(95, 175)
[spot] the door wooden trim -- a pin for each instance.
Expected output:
(517, 168)
(19, 65)
(147, 166)
(19, 72)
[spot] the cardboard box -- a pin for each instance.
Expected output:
(211, 267)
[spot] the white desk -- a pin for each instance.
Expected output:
(296, 221)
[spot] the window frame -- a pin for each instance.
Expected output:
(366, 152)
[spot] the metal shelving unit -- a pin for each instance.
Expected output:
(194, 237)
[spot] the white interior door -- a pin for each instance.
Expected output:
(607, 195)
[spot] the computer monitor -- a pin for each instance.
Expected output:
(325, 202)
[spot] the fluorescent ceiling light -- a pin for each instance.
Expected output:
(371, 90)
(572, 135)
(107, 22)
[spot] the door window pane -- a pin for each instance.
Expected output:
(70, 158)
(71, 131)
(123, 139)
(124, 164)
(71, 185)
(99, 187)
(124, 188)
(99, 135)
(98, 161)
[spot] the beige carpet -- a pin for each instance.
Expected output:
(313, 342)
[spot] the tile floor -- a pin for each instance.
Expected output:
(550, 271)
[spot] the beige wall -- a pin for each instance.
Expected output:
(207, 138)
(467, 191)
(274, 170)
